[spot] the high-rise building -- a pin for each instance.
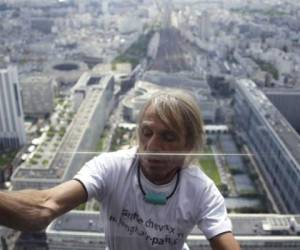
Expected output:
(273, 142)
(41, 88)
(12, 130)
(205, 26)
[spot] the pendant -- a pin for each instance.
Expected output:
(157, 199)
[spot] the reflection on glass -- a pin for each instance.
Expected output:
(75, 74)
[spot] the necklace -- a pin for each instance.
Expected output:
(155, 198)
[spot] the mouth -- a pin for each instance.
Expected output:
(156, 161)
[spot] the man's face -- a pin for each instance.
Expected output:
(157, 138)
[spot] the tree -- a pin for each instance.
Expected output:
(223, 189)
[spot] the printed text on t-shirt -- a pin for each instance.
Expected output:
(135, 225)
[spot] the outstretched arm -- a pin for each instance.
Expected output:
(225, 241)
(31, 210)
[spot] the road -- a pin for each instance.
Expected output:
(172, 53)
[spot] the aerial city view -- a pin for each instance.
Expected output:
(74, 75)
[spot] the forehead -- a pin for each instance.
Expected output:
(152, 120)
(150, 116)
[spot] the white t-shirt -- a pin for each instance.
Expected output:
(132, 223)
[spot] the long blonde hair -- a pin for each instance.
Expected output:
(179, 111)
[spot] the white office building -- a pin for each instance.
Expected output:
(12, 131)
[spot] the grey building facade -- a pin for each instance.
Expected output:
(273, 142)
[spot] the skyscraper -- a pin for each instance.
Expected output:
(12, 131)
(205, 26)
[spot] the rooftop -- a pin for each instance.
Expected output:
(79, 221)
(184, 80)
(59, 165)
(251, 225)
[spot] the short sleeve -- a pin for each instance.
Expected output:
(213, 218)
(94, 176)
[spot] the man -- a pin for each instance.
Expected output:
(151, 197)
